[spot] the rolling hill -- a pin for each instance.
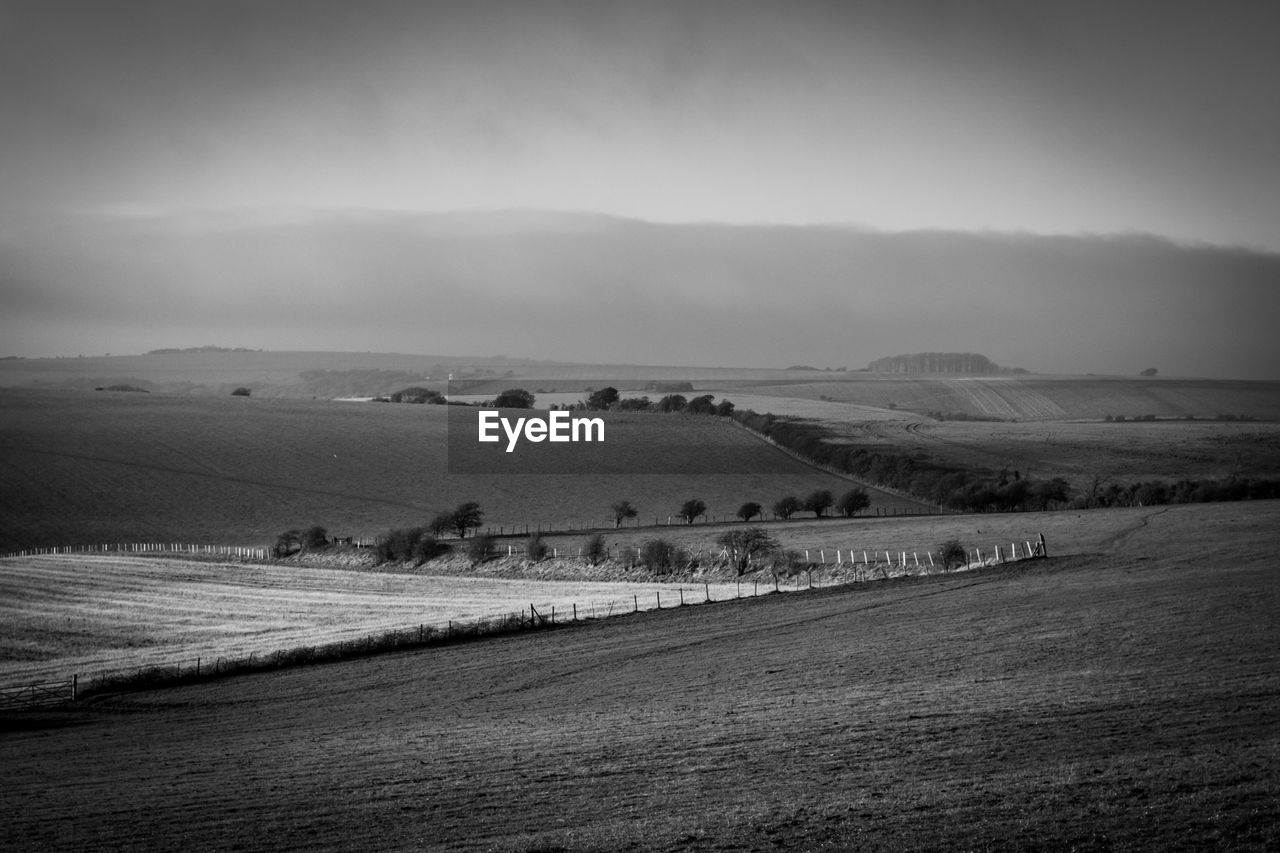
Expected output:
(93, 467)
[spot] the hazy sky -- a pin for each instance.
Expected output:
(159, 118)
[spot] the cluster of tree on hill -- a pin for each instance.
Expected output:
(945, 363)
(610, 399)
(209, 348)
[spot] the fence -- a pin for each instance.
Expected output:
(237, 551)
(39, 695)
(844, 568)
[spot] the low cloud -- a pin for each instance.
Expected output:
(597, 289)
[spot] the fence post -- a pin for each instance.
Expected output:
(1044, 552)
(708, 586)
(75, 687)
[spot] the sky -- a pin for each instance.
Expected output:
(214, 158)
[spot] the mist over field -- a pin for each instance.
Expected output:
(716, 183)
(580, 287)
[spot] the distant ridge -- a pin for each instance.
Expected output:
(944, 363)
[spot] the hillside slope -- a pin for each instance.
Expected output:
(1120, 700)
(85, 467)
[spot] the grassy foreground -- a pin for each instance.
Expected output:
(1122, 698)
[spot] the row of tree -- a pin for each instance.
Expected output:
(969, 490)
(1157, 493)
(819, 503)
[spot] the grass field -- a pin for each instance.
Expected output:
(1123, 697)
(87, 614)
(1082, 451)
(90, 614)
(84, 467)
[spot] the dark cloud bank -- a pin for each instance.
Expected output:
(600, 289)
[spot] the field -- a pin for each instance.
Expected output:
(85, 467)
(1122, 697)
(1025, 398)
(89, 614)
(1079, 452)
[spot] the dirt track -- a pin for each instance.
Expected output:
(1121, 700)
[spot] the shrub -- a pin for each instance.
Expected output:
(313, 537)
(535, 549)
(787, 563)
(514, 398)
(288, 543)
(241, 392)
(603, 399)
(662, 557)
(952, 554)
(397, 545)
(479, 550)
(595, 551)
(745, 544)
(441, 523)
(672, 403)
(749, 510)
(426, 547)
(417, 395)
(702, 405)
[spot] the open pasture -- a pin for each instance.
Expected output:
(67, 614)
(1123, 698)
(84, 467)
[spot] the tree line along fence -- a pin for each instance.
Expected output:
(819, 557)
(842, 567)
